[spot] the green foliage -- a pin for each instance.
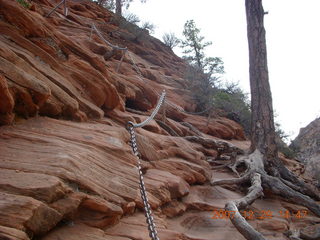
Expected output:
(199, 85)
(204, 72)
(281, 139)
(24, 3)
(279, 132)
(234, 104)
(194, 46)
(170, 40)
(287, 152)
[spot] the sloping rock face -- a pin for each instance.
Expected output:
(77, 180)
(307, 146)
(66, 166)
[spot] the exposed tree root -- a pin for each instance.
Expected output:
(240, 222)
(261, 180)
(293, 235)
(221, 146)
(299, 185)
(242, 225)
(242, 179)
(278, 187)
(252, 162)
(192, 128)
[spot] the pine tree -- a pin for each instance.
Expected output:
(194, 47)
(204, 72)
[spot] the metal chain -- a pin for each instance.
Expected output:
(103, 39)
(147, 209)
(153, 114)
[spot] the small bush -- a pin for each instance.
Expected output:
(227, 100)
(287, 152)
(170, 40)
(132, 18)
(24, 3)
(234, 103)
(281, 139)
(200, 87)
(148, 26)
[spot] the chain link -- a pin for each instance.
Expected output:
(153, 114)
(103, 39)
(147, 209)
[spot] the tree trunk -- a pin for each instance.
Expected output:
(262, 123)
(119, 7)
(263, 166)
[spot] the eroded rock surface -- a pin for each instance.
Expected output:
(67, 170)
(307, 146)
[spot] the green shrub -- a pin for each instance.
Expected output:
(200, 87)
(234, 104)
(24, 3)
(287, 152)
(227, 100)
(282, 139)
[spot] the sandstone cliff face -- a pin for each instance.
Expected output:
(307, 145)
(67, 170)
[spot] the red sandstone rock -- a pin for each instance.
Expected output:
(79, 180)
(175, 185)
(27, 214)
(6, 103)
(208, 198)
(80, 232)
(39, 186)
(174, 208)
(12, 234)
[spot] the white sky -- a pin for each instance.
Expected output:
(293, 43)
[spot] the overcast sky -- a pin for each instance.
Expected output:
(293, 43)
